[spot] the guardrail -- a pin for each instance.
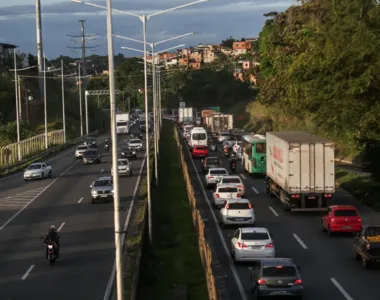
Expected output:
(204, 247)
(43, 154)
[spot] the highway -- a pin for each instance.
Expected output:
(327, 264)
(87, 231)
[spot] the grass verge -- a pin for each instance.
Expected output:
(171, 268)
(362, 186)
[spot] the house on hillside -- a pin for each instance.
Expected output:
(5, 51)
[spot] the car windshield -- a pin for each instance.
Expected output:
(279, 271)
(122, 162)
(213, 161)
(261, 148)
(198, 136)
(254, 236)
(135, 142)
(345, 213)
(218, 172)
(122, 123)
(90, 153)
(103, 183)
(231, 180)
(227, 190)
(239, 205)
(82, 147)
(34, 167)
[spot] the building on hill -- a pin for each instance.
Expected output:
(5, 52)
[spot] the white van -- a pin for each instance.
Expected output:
(198, 137)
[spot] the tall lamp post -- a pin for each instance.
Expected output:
(154, 99)
(143, 18)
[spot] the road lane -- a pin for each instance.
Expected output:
(87, 239)
(328, 267)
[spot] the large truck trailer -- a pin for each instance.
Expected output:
(300, 170)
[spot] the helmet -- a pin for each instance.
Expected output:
(106, 140)
(52, 228)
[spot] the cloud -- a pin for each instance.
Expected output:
(211, 24)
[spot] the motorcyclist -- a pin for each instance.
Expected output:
(232, 161)
(52, 237)
(106, 145)
(225, 149)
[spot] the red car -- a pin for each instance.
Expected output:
(199, 151)
(342, 218)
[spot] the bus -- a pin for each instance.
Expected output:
(254, 154)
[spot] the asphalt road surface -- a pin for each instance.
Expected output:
(27, 209)
(327, 264)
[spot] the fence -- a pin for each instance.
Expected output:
(28, 147)
(204, 247)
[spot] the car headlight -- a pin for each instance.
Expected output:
(134, 152)
(94, 193)
(122, 153)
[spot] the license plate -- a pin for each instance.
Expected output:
(104, 195)
(346, 227)
(255, 247)
(239, 219)
(311, 197)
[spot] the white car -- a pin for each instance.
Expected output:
(81, 150)
(213, 176)
(252, 243)
(238, 211)
(135, 144)
(235, 180)
(223, 192)
(38, 170)
(124, 167)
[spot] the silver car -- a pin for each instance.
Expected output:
(252, 243)
(124, 167)
(81, 150)
(224, 192)
(235, 180)
(102, 189)
(135, 144)
(213, 176)
(237, 211)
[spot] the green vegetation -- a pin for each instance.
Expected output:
(319, 70)
(363, 187)
(172, 265)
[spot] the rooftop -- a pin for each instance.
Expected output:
(7, 46)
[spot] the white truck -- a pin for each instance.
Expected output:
(300, 170)
(186, 115)
(122, 123)
(221, 122)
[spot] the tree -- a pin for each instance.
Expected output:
(228, 42)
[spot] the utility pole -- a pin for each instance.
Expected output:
(84, 38)
(41, 61)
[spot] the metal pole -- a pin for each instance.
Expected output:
(118, 240)
(157, 112)
(19, 97)
(45, 106)
(63, 104)
(154, 115)
(144, 20)
(17, 114)
(86, 108)
(159, 95)
(80, 101)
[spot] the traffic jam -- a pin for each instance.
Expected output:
(297, 170)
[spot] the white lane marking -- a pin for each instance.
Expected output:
(273, 211)
(230, 262)
(256, 191)
(341, 289)
(102, 170)
(60, 227)
(27, 272)
(80, 200)
(111, 279)
(243, 176)
(31, 201)
(301, 242)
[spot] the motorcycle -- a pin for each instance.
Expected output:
(233, 166)
(226, 152)
(51, 252)
(106, 147)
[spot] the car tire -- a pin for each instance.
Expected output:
(42, 176)
(50, 174)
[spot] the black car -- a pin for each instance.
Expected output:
(211, 162)
(91, 156)
(276, 277)
(128, 153)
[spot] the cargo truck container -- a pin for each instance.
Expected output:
(122, 123)
(300, 170)
(186, 115)
(222, 122)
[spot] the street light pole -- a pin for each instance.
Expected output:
(63, 104)
(80, 100)
(118, 230)
(17, 108)
(154, 115)
(86, 108)
(45, 106)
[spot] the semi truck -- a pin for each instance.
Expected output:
(300, 170)
(122, 123)
(221, 122)
(186, 115)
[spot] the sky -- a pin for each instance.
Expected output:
(211, 22)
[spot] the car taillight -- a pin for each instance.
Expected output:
(295, 196)
(227, 206)
(368, 246)
(240, 186)
(238, 195)
(209, 177)
(217, 196)
(360, 220)
(328, 195)
(249, 205)
(297, 282)
(261, 282)
(333, 220)
(242, 245)
(270, 245)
